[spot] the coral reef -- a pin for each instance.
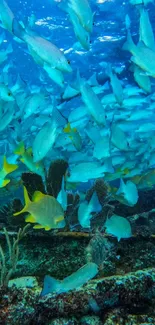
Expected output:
(56, 171)
(134, 292)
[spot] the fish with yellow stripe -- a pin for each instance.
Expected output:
(44, 210)
(27, 159)
(5, 170)
(74, 136)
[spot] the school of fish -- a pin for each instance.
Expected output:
(102, 125)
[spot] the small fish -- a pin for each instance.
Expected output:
(27, 159)
(44, 49)
(129, 193)
(5, 170)
(71, 282)
(84, 13)
(85, 171)
(143, 56)
(6, 16)
(115, 84)
(44, 210)
(92, 102)
(118, 137)
(118, 226)
(86, 208)
(74, 136)
(145, 30)
(62, 195)
(6, 94)
(46, 136)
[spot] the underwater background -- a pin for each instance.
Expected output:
(77, 162)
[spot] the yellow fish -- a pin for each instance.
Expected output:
(6, 169)
(27, 159)
(74, 136)
(44, 210)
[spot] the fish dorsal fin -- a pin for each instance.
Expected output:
(30, 218)
(20, 149)
(8, 168)
(37, 196)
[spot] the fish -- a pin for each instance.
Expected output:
(6, 16)
(44, 210)
(83, 11)
(82, 172)
(119, 227)
(71, 282)
(128, 191)
(62, 195)
(92, 102)
(27, 159)
(142, 55)
(46, 136)
(86, 208)
(145, 30)
(50, 55)
(74, 136)
(142, 79)
(5, 170)
(115, 84)
(81, 33)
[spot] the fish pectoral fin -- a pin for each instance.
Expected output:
(30, 218)
(59, 219)
(47, 228)
(38, 227)
(37, 196)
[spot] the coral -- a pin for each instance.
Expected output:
(102, 189)
(56, 171)
(7, 268)
(33, 182)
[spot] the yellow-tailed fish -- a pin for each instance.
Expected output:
(44, 210)
(5, 170)
(27, 159)
(74, 136)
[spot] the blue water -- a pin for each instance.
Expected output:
(107, 38)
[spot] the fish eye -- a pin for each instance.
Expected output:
(68, 61)
(9, 94)
(93, 24)
(90, 42)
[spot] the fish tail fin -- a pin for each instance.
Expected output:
(129, 44)
(18, 30)
(27, 202)
(67, 129)
(5, 182)
(50, 285)
(20, 149)
(8, 168)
